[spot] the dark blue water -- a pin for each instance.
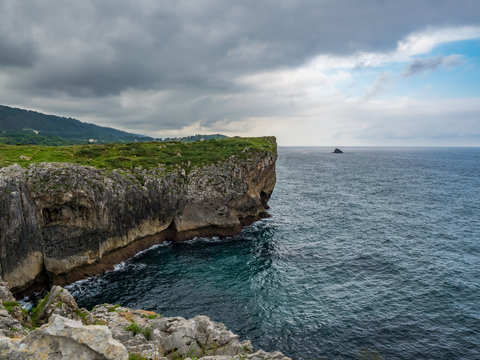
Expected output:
(375, 252)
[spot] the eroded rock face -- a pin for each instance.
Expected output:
(21, 241)
(57, 217)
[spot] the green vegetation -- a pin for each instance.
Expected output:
(113, 308)
(9, 305)
(147, 332)
(82, 315)
(134, 328)
(197, 138)
(145, 155)
(151, 316)
(18, 126)
(29, 138)
(137, 329)
(36, 310)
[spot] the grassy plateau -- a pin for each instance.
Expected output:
(142, 154)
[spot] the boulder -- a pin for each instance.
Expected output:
(64, 339)
(150, 335)
(12, 349)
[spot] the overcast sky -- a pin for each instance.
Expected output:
(311, 72)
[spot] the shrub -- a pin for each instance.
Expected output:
(36, 310)
(137, 329)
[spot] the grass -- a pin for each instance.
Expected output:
(151, 316)
(137, 329)
(113, 308)
(36, 310)
(82, 315)
(134, 328)
(145, 155)
(9, 305)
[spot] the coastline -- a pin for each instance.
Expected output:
(108, 261)
(67, 221)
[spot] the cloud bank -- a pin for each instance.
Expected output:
(248, 68)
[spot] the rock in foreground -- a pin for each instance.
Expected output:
(62, 339)
(115, 332)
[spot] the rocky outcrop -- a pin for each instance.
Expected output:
(150, 335)
(12, 318)
(60, 221)
(58, 302)
(115, 332)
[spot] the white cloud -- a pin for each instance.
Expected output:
(398, 122)
(424, 42)
(416, 44)
(307, 105)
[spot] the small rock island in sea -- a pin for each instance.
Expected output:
(72, 212)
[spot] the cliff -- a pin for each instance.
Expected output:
(63, 221)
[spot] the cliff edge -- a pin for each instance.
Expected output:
(61, 221)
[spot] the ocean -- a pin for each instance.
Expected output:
(370, 254)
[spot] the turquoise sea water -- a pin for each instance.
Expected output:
(375, 251)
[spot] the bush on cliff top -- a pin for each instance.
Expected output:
(146, 155)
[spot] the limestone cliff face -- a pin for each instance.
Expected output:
(57, 217)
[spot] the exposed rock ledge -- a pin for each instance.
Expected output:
(60, 222)
(112, 332)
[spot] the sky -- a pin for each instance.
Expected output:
(310, 72)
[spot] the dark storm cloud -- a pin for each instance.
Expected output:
(17, 47)
(96, 49)
(14, 53)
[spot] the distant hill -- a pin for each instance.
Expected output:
(18, 126)
(197, 138)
